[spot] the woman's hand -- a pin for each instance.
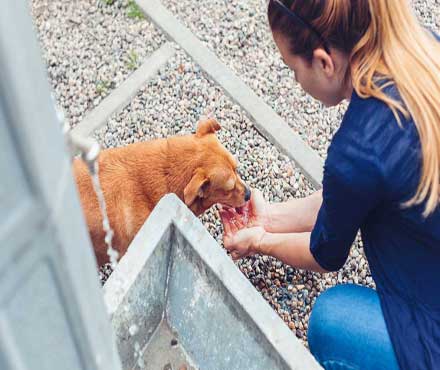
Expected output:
(244, 227)
(253, 213)
(244, 242)
(256, 228)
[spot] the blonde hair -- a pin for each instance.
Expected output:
(397, 48)
(387, 46)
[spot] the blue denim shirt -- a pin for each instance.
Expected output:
(373, 166)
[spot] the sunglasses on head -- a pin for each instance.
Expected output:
(295, 17)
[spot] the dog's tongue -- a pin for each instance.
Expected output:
(244, 212)
(240, 210)
(239, 213)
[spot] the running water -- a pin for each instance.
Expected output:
(94, 172)
(90, 149)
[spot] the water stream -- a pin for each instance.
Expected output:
(94, 173)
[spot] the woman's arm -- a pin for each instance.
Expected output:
(294, 216)
(292, 249)
(353, 186)
(346, 202)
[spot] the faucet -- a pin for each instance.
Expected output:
(87, 147)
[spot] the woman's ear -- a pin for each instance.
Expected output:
(324, 62)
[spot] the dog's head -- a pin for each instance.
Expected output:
(215, 180)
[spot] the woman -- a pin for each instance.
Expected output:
(382, 175)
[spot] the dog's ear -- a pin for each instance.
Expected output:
(207, 126)
(195, 188)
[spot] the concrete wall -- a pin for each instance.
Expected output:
(52, 315)
(219, 318)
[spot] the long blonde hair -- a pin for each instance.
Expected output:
(385, 42)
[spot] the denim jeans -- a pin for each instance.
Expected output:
(347, 331)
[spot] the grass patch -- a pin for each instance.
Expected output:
(102, 87)
(132, 61)
(133, 10)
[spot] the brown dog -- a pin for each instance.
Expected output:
(197, 168)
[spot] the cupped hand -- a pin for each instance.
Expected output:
(245, 242)
(253, 213)
(244, 227)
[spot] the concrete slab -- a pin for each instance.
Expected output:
(266, 120)
(174, 273)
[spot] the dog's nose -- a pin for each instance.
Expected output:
(247, 194)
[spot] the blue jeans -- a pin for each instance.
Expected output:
(347, 331)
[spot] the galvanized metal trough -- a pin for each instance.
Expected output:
(177, 301)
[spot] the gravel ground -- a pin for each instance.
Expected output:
(85, 45)
(90, 48)
(171, 104)
(428, 12)
(237, 31)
